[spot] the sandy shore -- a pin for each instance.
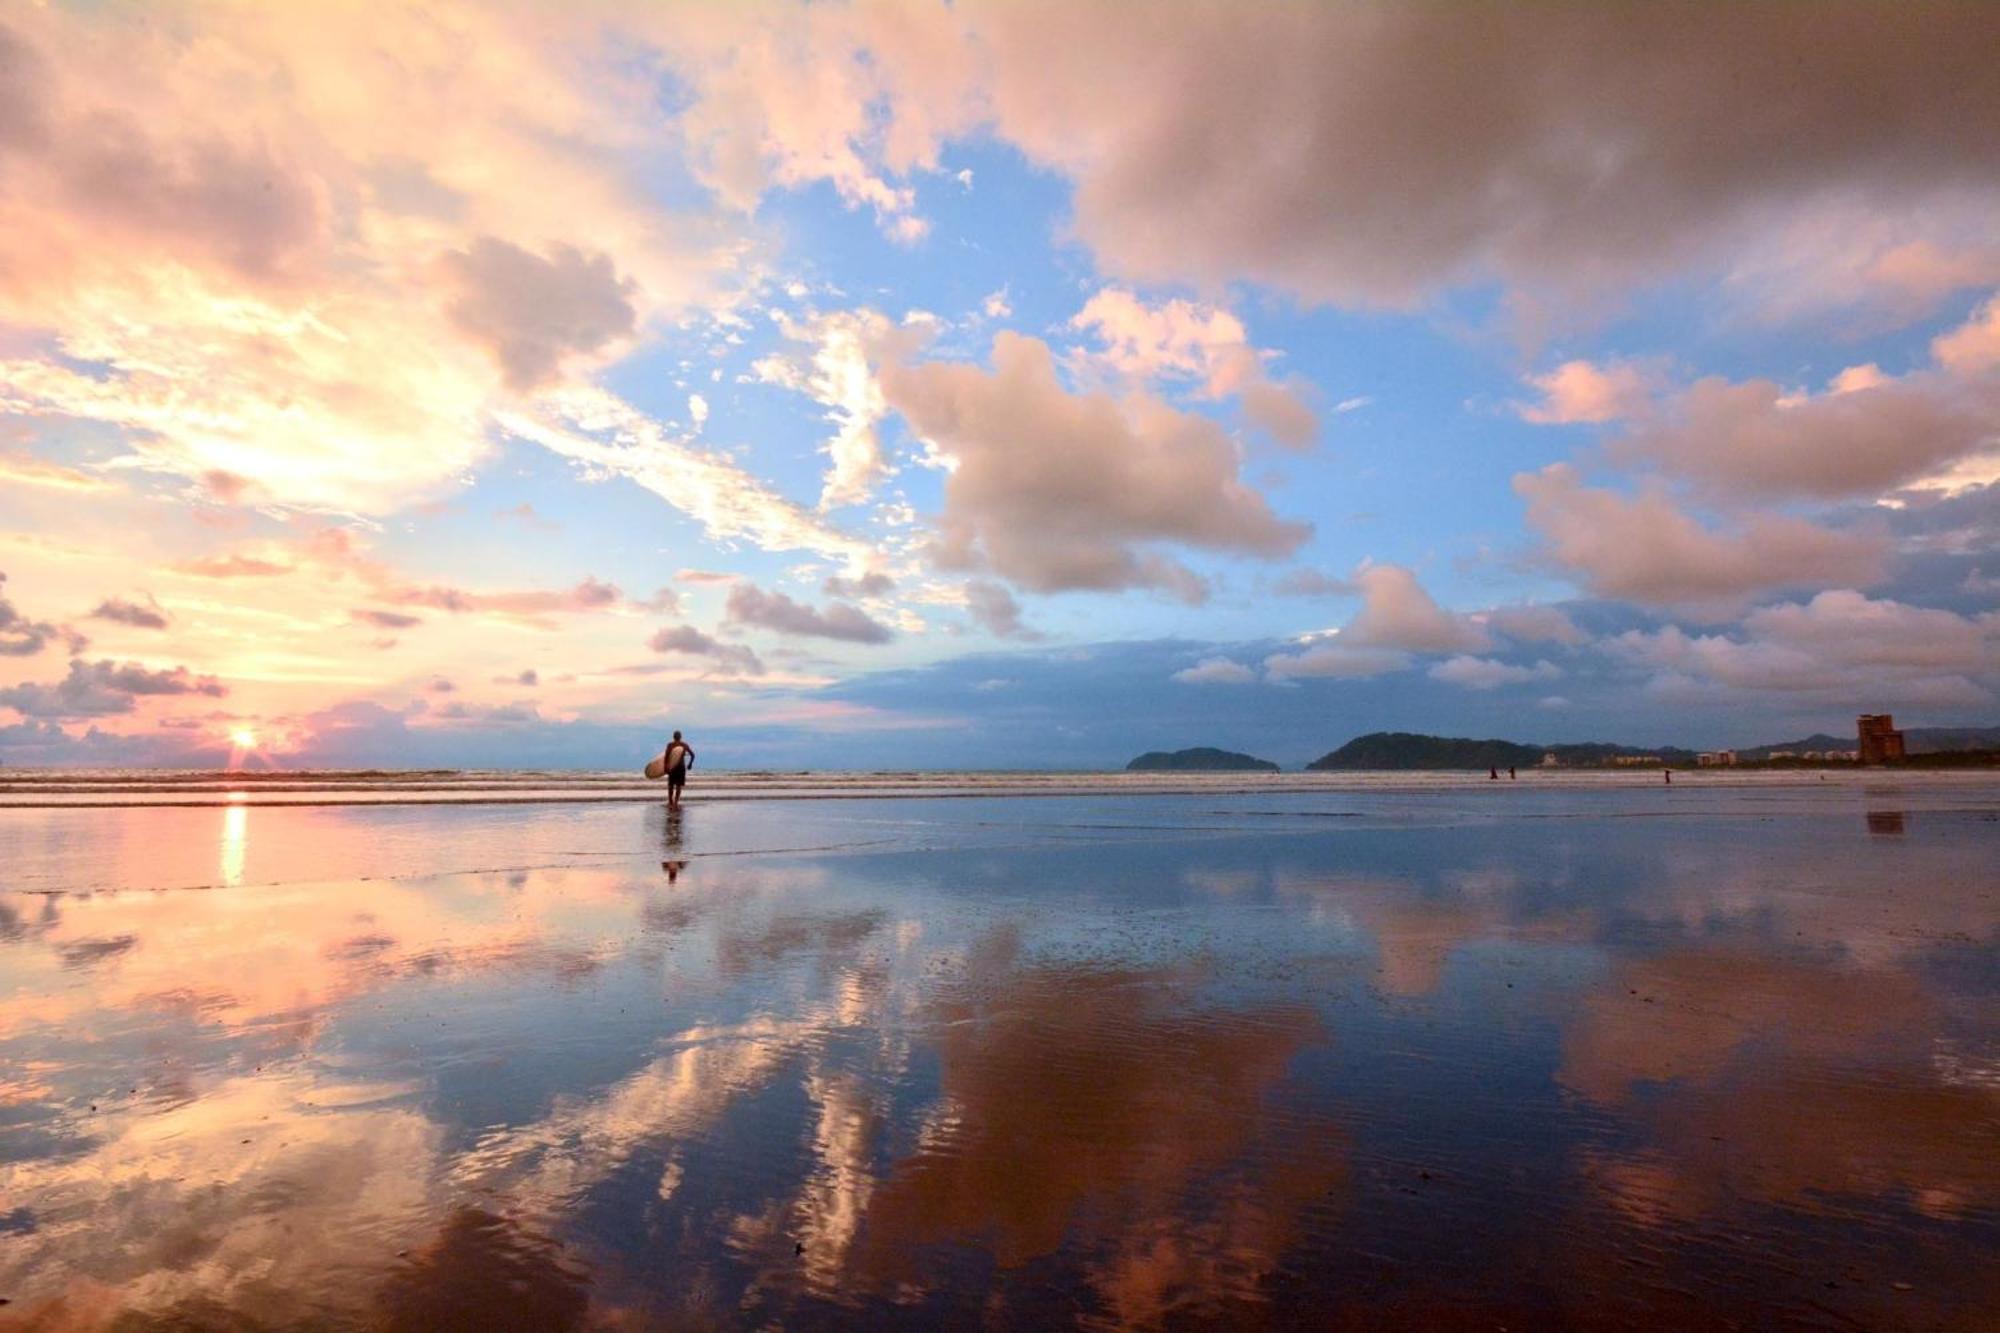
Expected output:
(1389, 1055)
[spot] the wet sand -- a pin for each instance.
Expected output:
(1418, 1056)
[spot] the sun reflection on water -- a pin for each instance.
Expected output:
(235, 839)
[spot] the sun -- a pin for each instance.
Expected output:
(243, 738)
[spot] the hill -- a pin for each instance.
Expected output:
(1407, 750)
(1201, 759)
(1920, 740)
(1412, 752)
(1819, 740)
(1941, 740)
(1938, 746)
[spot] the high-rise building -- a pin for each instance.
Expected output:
(1881, 743)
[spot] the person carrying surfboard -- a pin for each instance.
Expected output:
(677, 759)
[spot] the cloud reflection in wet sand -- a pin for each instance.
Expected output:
(1117, 1111)
(1387, 1078)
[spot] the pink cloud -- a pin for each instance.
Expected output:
(1532, 624)
(1179, 340)
(1054, 490)
(1397, 613)
(1484, 673)
(535, 312)
(1578, 391)
(103, 689)
(1841, 645)
(1974, 347)
(1648, 551)
(1375, 155)
(994, 610)
(1868, 433)
(753, 606)
(1216, 671)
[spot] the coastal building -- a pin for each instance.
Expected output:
(1634, 760)
(1716, 759)
(1549, 759)
(1881, 743)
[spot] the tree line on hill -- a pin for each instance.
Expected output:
(1410, 751)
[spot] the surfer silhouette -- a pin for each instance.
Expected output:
(678, 758)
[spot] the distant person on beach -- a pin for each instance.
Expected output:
(1670, 776)
(1510, 773)
(1492, 775)
(679, 756)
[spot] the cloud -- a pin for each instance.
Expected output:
(751, 605)
(1313, 583)
(994, 609)
(386, 619)
(1338, 660)
(837, 371)
(1842, 625)
(589, 595)
(342, 558)
(26, 471)
(1367, 155)
(534, 312)
(784, 98)
(1865, 434)
(1484, 673)
(871, 584)
(610, 438)
(1216, 671)
(1281, 412)
(730, 657)
(291, 289)
(1974, 347)
(22, 637)
(1397, 618)
(104, 688)
(234, 566)
(1185, 341)
(1578, 391)
(1397, 613)
(1056, 491)
(1841, 646)
(175, 189)
(1575, 147)
(122, 612)
(1650, 552)
(1532, 624)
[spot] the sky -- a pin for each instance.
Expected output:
(989, 385)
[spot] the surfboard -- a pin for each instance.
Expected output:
(656, 767)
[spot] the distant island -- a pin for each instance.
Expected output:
(1201, 759)
(1929, 747)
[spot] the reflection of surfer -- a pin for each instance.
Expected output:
(679, 757)
(671, 844)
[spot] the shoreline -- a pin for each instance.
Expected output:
(204, 791)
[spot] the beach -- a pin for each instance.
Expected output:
(1002, 1050)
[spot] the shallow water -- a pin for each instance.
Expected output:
(1423, 1056)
